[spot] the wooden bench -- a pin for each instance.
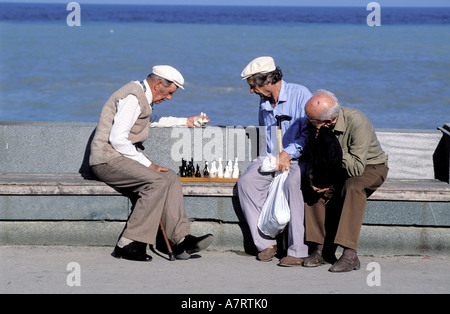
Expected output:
(426, 190)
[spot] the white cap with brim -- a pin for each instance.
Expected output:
(169, 73)
(259, 65)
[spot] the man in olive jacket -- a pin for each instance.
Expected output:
(334, 214)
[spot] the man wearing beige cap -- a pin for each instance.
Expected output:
(277, 98)
(117, 160)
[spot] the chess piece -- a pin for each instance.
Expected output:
(183, 168)
(235, 174)
(205, 170)
(220, 169)
(190, 169)
(197, 173)
(201, 121)
(213, 171)
(227, 173)
(204, 120)
(198, 123)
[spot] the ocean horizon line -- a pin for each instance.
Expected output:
(228, 5)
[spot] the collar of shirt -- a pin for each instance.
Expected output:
(148, 92)
(340, 123)
(282, 97)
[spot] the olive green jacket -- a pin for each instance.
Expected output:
(360, 146)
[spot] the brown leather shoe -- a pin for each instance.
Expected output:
(314, 260)
(291, 261)
(345, 264)
(267, 255)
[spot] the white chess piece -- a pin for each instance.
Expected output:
(201, 121)
(213, 170)
(204, 120)
(227, 173)
(235, 171)
(220, 169)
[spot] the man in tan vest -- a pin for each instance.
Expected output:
(117, 160)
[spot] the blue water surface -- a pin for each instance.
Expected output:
(397, 73)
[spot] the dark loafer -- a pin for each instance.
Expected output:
(314, 260)
(345, 264)
(135, 251)
(192, 244)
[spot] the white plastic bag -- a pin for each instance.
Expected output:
(269, 164)
(275, 213)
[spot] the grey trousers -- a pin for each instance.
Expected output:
(158, 196)
(253, 187)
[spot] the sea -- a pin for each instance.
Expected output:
(61, 64)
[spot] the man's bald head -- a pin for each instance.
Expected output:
(322, 106)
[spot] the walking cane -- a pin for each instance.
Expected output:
(169, 248)
(280, 149)
(280, 139)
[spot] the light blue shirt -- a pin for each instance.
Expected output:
(291, 101)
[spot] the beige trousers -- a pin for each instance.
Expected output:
(155, 196)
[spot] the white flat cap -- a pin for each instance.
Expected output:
(258, 65)
(169, 73)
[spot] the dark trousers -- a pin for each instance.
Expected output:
(336, 216)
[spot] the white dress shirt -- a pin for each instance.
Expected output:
(128, 111)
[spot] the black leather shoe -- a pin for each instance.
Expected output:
(135, 251)
(192, 244)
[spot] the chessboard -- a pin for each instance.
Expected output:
(206, 179)
(189, 173)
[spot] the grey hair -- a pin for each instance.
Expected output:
(154, 78)
(334, 110)
(273, 77)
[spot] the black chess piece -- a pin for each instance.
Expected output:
(197, 173)
(205, 170)
(190, 169)
(183, 168)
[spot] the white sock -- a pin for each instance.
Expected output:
(123, 241)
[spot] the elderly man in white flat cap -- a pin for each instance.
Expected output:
(117, 160)
(277, 98)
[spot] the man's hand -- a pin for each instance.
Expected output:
(316, 189)
(191, 121)
(284, 161)
(158, 168)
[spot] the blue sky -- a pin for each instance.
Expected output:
(399, 3)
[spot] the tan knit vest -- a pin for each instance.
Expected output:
(101, 149)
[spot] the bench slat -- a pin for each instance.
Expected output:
(74, 184)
